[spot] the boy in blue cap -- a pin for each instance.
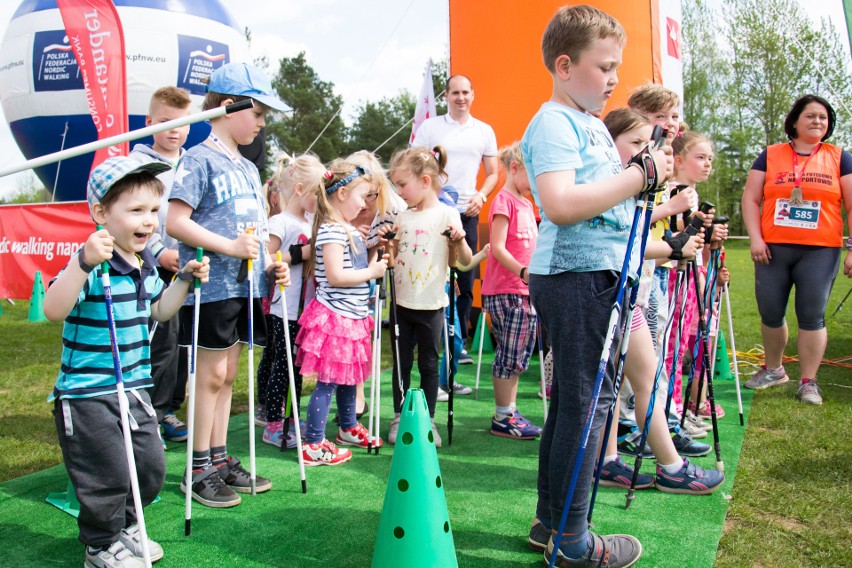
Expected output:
(124, 197)
(217, 203)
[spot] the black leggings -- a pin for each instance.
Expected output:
(811, 269)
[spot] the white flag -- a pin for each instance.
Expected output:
(425, 102)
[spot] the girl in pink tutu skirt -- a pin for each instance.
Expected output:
(334, 339)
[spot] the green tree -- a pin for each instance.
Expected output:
(315, 107)
(376, 121)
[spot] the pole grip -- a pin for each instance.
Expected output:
(104, 264)
(199, 256)
(280, 286)
(238, 106)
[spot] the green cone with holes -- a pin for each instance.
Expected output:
(414, 529)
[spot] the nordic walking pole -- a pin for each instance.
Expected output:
(451, 352)
(483, 326)
(190, 406)
(124, 408)
(727, 295)
(377, 324)
(126, 137)
(291, 379)
(252, 469)
(843, 301)
(394, 327)
(541, 356)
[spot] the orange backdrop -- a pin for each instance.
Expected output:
(498, 45)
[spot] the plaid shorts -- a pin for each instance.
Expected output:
(513, 321)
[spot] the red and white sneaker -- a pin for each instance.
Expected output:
(357, 436)
(324, 453)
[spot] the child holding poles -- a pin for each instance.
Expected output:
(586, 202)
(422, 259)
(334, 339)
(168, 361)
(124, 197)
(506, 297)
(215, 205)
(296, 182)
(630, 132)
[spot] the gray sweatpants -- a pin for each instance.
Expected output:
(92, 445)
(575, 310)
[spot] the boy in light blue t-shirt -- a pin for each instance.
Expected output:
(587, 204)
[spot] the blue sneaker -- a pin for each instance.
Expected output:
(618, 474)
(173, 429)
(513, 427)
(689, 480)
(629, 446)
(523, 419)
(686, 446)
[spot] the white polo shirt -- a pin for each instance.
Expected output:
(466, 144)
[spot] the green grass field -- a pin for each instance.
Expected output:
(788, 503)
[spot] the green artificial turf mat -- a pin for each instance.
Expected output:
(490, 485)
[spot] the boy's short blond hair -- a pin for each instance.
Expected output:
(169, 96)
(573, 28)
(651, 98)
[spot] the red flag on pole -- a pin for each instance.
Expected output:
(425, 102)
(97, 39)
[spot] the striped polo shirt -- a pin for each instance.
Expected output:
(87, 366)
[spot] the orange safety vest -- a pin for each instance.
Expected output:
(820, 191)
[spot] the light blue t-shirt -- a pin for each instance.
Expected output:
(226, 199)
(560, 138)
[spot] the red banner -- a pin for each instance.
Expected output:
(97, 39)
(39, 237)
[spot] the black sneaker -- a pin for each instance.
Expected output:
(238, 479)
(611, 551)
(209, 489)
(629, 446)
(539, 536)
(686, 446)
(618, 474)
(464, 358)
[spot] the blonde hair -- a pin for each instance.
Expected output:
(652, 98)
(623, 120)
(169, 96)
(420, 161)
(511, 153)
(291, 171)
(325, 213)
(379, 178)
(573, 28)
(686, 141)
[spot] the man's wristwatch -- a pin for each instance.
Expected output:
(849, 243)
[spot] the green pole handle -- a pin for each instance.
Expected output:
(199, 256)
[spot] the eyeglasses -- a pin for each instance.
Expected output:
(370, 197)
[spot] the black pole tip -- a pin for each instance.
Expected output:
(304, 486)
(741, 420)
(187, 528)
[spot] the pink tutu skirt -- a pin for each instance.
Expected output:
(334, 348)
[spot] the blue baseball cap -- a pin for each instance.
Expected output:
(245, 80)
(112, 170)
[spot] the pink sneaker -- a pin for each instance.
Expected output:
(324, 453)
(704, 413)
(357, 436)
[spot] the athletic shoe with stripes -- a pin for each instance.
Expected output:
(357, 436)
(689, 480)
(131, 537)
(324, 453)
(618, 474)
(686, 446)
(514, 426)
(809, 392)
(238, 478)
(765, 378)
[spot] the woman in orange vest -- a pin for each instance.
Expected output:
(792, 212)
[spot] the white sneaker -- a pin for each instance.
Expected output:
(443, 396)
(765, 378)
(693, 431)
(809, 392)
(131, 537)
(435, 435)
(116, 556)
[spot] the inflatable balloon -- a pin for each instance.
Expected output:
(167, 42)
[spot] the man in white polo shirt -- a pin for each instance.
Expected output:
(469, 143)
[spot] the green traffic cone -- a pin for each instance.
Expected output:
(723, 364)
(65, 501)
(487, 346)
(414, 529)
(37, 300)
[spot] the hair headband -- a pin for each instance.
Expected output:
(359, 171)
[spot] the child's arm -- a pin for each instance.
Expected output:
(565, 202)
(674, 206)
(172, 298)
(461, 250)
(63, 294)
(476, 260)
(180, 226)
(499, 231)
(339, 277)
